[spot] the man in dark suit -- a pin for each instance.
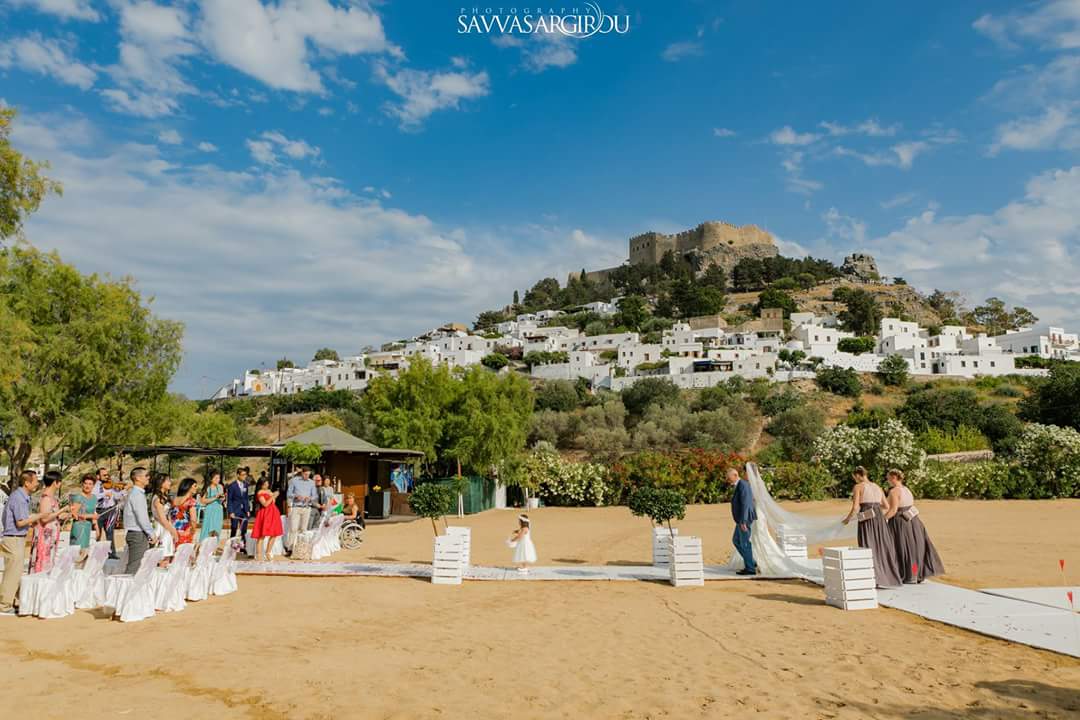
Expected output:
(237, 503)
(742, 511)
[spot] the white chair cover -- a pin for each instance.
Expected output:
(277, 547)
(223, 574)
(88, 583)
(132, 596)
(333, 531)
(50, 595)
(170, 584)
(303, 547)
(319, 548)
(198, 585)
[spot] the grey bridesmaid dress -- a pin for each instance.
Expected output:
(874, 533)
(917, 556)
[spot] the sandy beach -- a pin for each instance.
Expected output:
(398, 648)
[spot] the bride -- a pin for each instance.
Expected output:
(770, 559)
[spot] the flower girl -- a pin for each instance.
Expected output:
(521, 542)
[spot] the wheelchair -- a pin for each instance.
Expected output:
(352, 533)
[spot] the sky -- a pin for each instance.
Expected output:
(286, 175)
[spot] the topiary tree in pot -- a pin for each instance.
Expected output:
(432, 501)
(661, 505)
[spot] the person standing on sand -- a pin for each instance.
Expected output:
(139, 532)
(916, 555)
(521, 541)
(238, 505)
(744, 515)
(867, 504)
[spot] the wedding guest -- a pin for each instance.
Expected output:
(110, 497)
(744, 515)
(160, 502)
(182, 512)
(47, 529)
(867, 504)
(85, 513)
(211, 498)
(916, 555)
(238, 505)
(17, 520)
(267, 521)
(301, 496)
(325, 502)
(350, 510)
(138, 531)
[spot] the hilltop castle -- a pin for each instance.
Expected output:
(710, 243)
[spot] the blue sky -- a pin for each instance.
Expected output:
(287, 175)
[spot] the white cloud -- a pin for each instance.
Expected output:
(207, 147)
(723, 132)
(141, 104)
(64, 9)
(170, 137)
(277, 43)
(266, 147)
(1052, 24)
(1057, 127)
(423, 92)
(326, 111)
(897, 201)
(541, 50)
(787, 136)
(50, 57)
(870, 128)
(849, 229)
(328, 268)
(1026, 252)
(792, 162)
(677, 51)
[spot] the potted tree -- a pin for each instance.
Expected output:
(434, 501)
(431, 501)
(683, 556)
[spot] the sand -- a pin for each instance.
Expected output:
(399, 648)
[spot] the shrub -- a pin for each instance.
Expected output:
(697, 474)
(947, 408)
(651, 391)
(1001, 426)
(1050, 455)
(658, 504)
(557, 395)
(963, 439)
(562, 482)
(856, 345)
(862, 417)
(842, 448)
(1055, 400)
(665, 426)
(603, 434)
(799, 481)
(782, 401)
(1007, 390)
(893, 370)
(839, 381)
(797, 429)
(553, 427)
(495, 361)
(984, 480)
(301, 453)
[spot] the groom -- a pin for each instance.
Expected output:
(742, 511)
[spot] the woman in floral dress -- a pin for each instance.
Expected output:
(47, 530)
(182, 512)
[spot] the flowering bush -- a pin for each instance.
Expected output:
(697, 474)
(1050, 456)
(984, 480)
(799, 481)
(562, 482)
(890, 445)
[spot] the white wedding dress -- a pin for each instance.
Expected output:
(770, 559)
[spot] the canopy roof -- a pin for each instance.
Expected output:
(327, 437)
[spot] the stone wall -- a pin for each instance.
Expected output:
(711, 243)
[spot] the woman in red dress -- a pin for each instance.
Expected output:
(267, 521)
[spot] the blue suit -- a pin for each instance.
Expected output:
(743, 513)
(236, 500)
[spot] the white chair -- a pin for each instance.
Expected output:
(223, 574)
(333, 533)
(319, 549)
(88, 583)
(49, 594)
(170, 584)
(132, 596)
(198, 585)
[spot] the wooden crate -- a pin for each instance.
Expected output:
(849, 578)
(466, 543)
(661, 546)
(791, 543)
(446, 569)
(685, 561)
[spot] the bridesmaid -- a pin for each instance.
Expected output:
(159, 511)
(917, 556)
(85, 503)
(213, 515)
(867, 504)
(47, 530)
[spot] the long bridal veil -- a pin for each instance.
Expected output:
(767, 553)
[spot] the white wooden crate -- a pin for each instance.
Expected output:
(686, 564)
(661, 545)
(792, 544)
(446, 569)
(466, 543)
(849, 578)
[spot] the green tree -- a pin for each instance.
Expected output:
(326, 354)
(85, 363)
(651, 391)
(948, 305)
(489, 319)
(773, 298)
(557, 395)
(893, 370)
(862, 315)
(432, 501)
(516, 300)
(1055, 399)
(633, 311)
(839, 381)
(22, 183)
(487, 420)
(495, 361)
(285, 363)
(715, 277)
(544, 295)
(856, 345)
(994, 317)
(660, 505)
(796, 429)
(409, 411)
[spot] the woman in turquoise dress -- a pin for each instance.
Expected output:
(213, 515)
(85, 526)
